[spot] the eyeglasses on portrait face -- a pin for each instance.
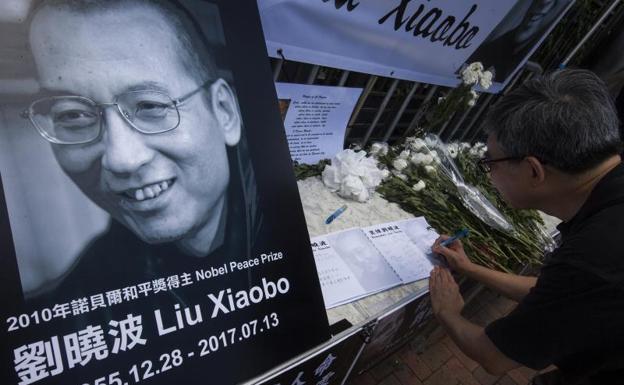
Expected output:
(79, 120)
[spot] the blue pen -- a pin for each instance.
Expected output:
(335, 215)
(458, 235)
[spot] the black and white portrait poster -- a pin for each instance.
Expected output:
(150, 225)
(508, 47)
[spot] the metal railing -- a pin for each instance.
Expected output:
(391, 109)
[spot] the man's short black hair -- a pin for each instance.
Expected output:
(197, 55)
(566, 118)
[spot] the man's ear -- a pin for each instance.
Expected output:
(225, 109)
(538, 174)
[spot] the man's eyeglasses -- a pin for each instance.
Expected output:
(79, 120)
(484, 163)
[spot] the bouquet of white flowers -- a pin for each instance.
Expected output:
(353, 175)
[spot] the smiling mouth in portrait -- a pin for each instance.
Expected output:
(148, 197)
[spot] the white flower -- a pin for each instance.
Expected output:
(414, 144)
(399, 164)
(441, 99)
(417, 158)
(352, 175)
(419, 186)
(469, 78)
(476, 67)
(464, 146)
(453, 149)
(331, 177)
(478, 150)
(385, 173)
(430, 141)
(473, 98)
(485, 80)
(430, 169)
(472, 73)
(379, 149)
(421, 158)
(399, 175)
(405, 154)
(353, 187)
(435, 156)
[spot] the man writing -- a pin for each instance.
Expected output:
(553, 145)
(139, 120)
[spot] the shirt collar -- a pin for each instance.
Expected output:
(608, 191)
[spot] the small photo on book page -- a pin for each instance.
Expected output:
(338, 283)
(408, 260)
(369, 267)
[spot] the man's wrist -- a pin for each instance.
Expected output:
(469, 269)
(447, 317)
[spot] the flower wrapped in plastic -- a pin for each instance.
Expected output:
(472, 198)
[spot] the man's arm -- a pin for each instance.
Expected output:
(512, 286)
(447, 304)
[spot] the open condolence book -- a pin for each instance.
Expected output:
(358, 262)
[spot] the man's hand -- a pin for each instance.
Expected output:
(445, 297)
(453, 253)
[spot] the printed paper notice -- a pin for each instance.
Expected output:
(315, 119)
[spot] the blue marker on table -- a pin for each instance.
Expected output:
(335, 215)
(458, 235)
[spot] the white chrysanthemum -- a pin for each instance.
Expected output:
(485, 80)
(423, 159)
(405, 154)
(415, 144)
(399, 175)
(399, 164)
(379, 149)
(430, 141)
(475, 67)
(419, 186)
(441, 99)
(418, 158)
(464, 146)
(472, 73)
(469, 78)
(453, 149)
(430, 169)
(473, 98)
(435, 157)
(385, 173)
(478, 150)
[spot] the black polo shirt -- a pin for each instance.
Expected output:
(574, 316)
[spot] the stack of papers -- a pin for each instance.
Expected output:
(358, 262)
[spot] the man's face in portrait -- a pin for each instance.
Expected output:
(164, 186)
(535, 19)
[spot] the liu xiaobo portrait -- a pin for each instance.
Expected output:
(139, 120)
